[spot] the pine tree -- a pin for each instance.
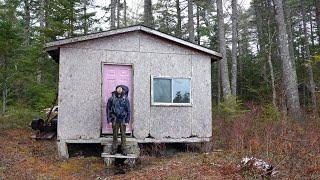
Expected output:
(148, 18)
(289, 78)
(190, 21)
(234, 47)
(308, 60)
(10, 44)
(222, 44)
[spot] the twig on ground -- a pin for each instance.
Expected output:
(294, 140)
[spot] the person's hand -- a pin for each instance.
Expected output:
(126, 124)
(110, 123)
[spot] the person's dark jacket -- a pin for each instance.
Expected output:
(119, 107)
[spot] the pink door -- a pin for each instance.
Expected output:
(114, 75)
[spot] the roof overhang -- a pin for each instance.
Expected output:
(53, 47)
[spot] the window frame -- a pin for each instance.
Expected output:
(172, 103)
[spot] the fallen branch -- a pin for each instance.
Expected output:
(217, 150)
(294, 140)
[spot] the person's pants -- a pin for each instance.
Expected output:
(115, 129)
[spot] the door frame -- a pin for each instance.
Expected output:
(132, 94)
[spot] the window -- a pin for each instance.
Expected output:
(170, 91)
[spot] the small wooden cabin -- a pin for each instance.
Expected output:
(169, 82)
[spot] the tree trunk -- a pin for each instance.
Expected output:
(198, 25)
(308, 60)
(203, 14)
(113, 14)
(27, 19)
(178, 32)
(289, 78)
(85, 19)
(190, 21)
(4, 97)
(241, 67)
(289, 31)
(317, 3)
(118, 13)
(222, 44)
(270, 37)
(234, 48)
(262, 52)
(219, 84)
(46, 14)
(148, 19)
(259, 24)
(42, 14)
(4, 83)
(42, 18)
(125, 13)
(71, 19)
(311, 29)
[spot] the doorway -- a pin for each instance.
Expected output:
(113, 75)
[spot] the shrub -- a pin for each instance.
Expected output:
(18, 117)
(229, 108)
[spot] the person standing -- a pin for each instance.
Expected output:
(118, 115)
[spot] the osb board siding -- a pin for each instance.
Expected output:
(171, 122)
(159, 121)
(127, 30)
(120, 42)
(80, 87)
(79, 94)
(201, 123)
(152, 43)
(175, 65)
(135, 42)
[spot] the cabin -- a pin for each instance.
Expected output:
(169, 82)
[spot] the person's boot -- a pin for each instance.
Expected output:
(113, 150)
(123, 151)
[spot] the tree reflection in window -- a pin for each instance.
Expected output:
(181, 90)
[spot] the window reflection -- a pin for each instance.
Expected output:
(181, 90)
(162, 90)
(171, 90)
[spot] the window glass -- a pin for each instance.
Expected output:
(181, 90)
(162, 90)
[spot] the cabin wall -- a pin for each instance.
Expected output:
(172, 121)
(80, 86)
(79, 93)
(201, 122)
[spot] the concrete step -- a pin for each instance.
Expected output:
(128, 156)
(131, 148)
(106, 141)
(129, 159)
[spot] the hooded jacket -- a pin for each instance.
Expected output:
(119, 107)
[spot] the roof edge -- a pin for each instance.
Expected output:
(180, 41)
(55, 44)
(90, 36)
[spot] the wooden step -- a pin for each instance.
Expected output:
(128, 156)
(44, 135)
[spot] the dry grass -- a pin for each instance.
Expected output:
(24, 158)
(292, 147)
(260, 132)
